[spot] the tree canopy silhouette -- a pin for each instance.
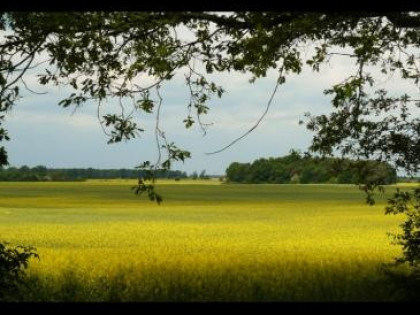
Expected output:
(103, 56)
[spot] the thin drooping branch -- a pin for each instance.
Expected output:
(158, 131)
(98, 114)
(30, 90)
(194, 98)
(278, 82)
(20, 75)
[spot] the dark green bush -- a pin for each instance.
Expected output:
(13, 262)
(407, 279)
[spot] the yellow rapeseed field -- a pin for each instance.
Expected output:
(206, 242)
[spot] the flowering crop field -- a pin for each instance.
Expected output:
(207, 241)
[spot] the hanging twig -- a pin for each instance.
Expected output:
(258, 121)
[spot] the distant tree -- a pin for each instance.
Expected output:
(40, 171)
(90, 173)
(194, 175)
(309, 170)
(260, 171)
(24, 169)
(237, 172)
(295, 179)
(123, 173)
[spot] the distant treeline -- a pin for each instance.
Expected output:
(42, 173)
(408, 179)
(295, 168)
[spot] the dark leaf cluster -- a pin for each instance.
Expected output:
(13, 262)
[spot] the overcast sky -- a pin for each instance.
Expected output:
(45, 134)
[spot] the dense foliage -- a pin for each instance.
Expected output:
(41, 173)
(13, 262)
(409, 204)
(294, 168)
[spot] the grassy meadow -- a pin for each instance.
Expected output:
(206, 242)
